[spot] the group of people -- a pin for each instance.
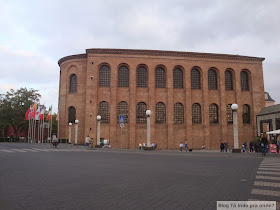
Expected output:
(181, 145)
(145, 144)
(224, 146)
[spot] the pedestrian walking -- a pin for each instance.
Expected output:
(222, 146)
(203, 147)
(87, 142)
(181, 146)
(54, 140)
(140, 146)
(264, 143)
(186, 146)
(153, 145)
(225, 145)
(251, 146)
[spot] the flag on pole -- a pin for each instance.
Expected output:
(37, 114)
(32, 115)
(49, 117)
(42, 112)
(27, 114)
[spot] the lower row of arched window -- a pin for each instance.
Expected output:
(160, 113)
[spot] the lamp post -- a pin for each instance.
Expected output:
(148, 113)
(76, 131)
(98, 129)
(234, 108)
(70, 125)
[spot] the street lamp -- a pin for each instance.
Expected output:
(98, 129)
(234, 108)
(148, 113)
(70, 125)
(76, 131)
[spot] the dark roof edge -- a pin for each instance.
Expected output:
(160, 53)
(70, 57)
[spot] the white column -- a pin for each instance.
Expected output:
(234, 108)
(76, 131)
(148, 113)
(70, 125)
(98, 129)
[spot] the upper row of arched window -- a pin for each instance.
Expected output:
(160, 78)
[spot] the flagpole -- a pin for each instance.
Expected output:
(29, 124)
(51, 122)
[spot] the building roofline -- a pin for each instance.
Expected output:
(160, 53)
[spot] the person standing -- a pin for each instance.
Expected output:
(264, 143)
(186, 146)
(140, 146)
(222, 146)
(225, 145)
(87, 142)
(181, 146)
(251, 146)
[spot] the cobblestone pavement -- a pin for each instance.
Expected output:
(37, 176)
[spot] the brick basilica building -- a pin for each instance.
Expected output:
(189, 94)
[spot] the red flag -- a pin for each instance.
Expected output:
(49, 114)
(27, 114)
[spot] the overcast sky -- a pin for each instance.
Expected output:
(35, 34)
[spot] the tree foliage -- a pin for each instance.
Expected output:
(13, 106)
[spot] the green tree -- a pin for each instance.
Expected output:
(13, 106)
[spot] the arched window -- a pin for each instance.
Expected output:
(246, 114)
(123, 110)
(244, 80)
(214, 113)
(160, 78)
(73, 83)
(142, 77)
(104, 76)
(71, 114)
(160, 113)
(195, 79)
(178, 113)
(104, 111)
(212, 80)
(123, 77)
(228, 80)
(141, 109)
(178, 78)
(196, 113)
(229, 114)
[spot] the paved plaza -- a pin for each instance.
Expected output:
(37, 176)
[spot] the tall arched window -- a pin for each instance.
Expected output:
(244, 80)
(73, 83)
(71, 114)
(246, 114)
(160, 77)
(178, 113)
(212, 80)
(229, 114)
(104, 76)
(123, 77)
(141, 109)
(196, 113)
(160, 113)
(213, 113)
(104, 111)
(178, 78)
(195, 79)
(142, 77)
(228, 80)
(123, 110)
